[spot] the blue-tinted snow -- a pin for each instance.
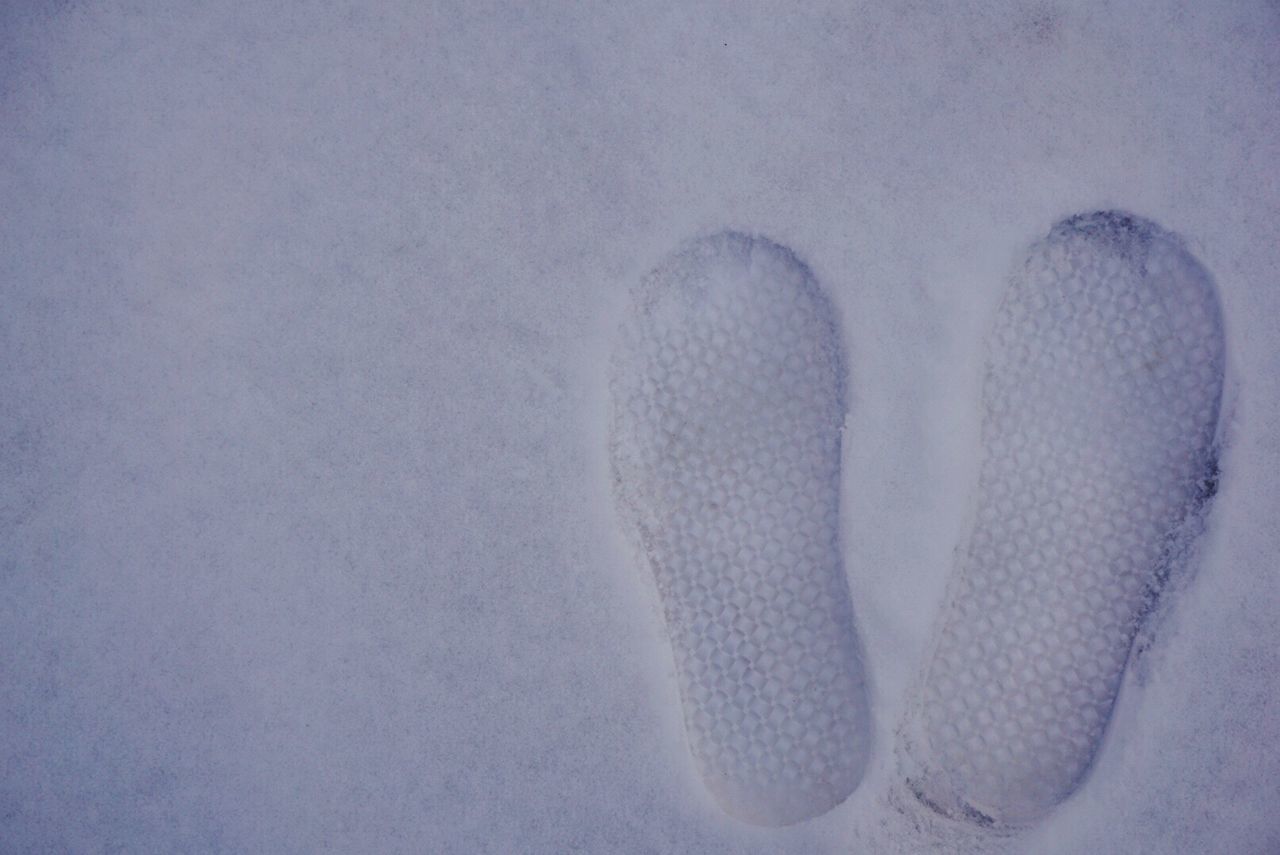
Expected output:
(304, 310)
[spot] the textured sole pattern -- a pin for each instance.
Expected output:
(727, 392)
(1101, 400)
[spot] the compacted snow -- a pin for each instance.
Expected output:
(307, 506)
(728, 399)
(1100, 407)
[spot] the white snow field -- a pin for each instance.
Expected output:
(728, 400)
(308, 540)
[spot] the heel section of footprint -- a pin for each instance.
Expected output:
(1101, 400)
(727, 390)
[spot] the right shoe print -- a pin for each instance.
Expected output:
(1100, 410)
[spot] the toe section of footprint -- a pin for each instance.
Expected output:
(1101, 400)
(728, 400)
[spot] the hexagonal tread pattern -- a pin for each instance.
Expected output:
(727, 390)
(1101, 401)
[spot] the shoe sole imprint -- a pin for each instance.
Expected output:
(728, 405)
(1101, 399)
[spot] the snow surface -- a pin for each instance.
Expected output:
(304, 316)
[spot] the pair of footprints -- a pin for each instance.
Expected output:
(1101, 399)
